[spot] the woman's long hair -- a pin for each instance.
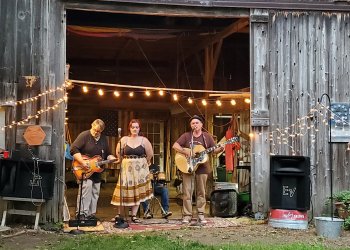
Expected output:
(134, 121)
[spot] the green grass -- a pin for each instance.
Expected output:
(96, 242)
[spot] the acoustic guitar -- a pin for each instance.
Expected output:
(94, 166)
(200, 156)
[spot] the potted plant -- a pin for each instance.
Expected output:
(342, 203)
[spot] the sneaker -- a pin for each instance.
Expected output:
(148, 215)
(81, 217)
(201, 219)
(121, 223)
(167, 214)
(186, 220)
(92, 217)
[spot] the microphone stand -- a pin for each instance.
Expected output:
(193, 180)
(77, 231)
(121, 223)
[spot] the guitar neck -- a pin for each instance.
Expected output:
(209, 150)
(100, 163)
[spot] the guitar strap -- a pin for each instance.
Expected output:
(204, 139)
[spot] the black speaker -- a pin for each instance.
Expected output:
(7, 177)
(223, 200)
(27, 179)
(290, 182)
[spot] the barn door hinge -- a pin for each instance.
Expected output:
(259, 118)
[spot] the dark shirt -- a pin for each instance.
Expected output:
(206, 140)
(87, 145)
(139, 150)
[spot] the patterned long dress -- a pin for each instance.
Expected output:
(134, 182)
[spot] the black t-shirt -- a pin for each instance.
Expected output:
(86, 144)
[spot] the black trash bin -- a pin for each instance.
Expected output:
(290, 182)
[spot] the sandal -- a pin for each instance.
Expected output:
(116, 218)
(135, 219)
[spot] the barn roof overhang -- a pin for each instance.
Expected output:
(221, 6)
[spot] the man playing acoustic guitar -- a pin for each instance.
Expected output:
(197, 174)
(88, 148)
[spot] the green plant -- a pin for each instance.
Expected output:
(347, 224)
(342, 196)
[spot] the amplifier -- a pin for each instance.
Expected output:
(223, 200)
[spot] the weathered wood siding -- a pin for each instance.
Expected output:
(33, 44)
(305, 54)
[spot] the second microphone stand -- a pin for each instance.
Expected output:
(121, 223)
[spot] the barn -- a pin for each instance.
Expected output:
(259, 66)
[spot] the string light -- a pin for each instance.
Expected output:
(148, 93)
(306, 124)
(34, 98)
(175, 97)
(190, 101)
(218, 102)
(247, 100)
(85, 89)
(100, 92)
(233, 102)
(39, 112)
(161, 92)
(204, 102)
(131, 94)
(116, 93)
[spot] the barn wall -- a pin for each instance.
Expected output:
(33, 44)
(305, 55)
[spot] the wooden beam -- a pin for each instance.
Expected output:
(160, 10)
(232, 96)
(233, 28)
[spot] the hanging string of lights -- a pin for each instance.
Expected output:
(162, 91)
(309, 123)
(34, 116)
(34, 98)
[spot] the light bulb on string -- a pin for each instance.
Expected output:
(100, 92)
(161, 92)
(190, 101)
(147, 93)
(116, 93)
(131, 94)
(218, 102)
(85, 89)
(175, 97)
(247, 100)
(204, 102)
(233, 102)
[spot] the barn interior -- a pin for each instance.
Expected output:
(119, 63)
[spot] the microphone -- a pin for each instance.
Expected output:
(119, 132)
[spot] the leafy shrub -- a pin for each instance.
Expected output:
(343, 196)
(347, 224)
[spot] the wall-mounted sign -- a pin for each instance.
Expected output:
(340, 128)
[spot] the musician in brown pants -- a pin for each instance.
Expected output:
(90, 143)
(199, 176)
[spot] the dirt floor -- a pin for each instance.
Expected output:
(243, 230)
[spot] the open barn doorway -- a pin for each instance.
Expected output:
(120, 62)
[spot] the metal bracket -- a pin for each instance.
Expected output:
(260, 118)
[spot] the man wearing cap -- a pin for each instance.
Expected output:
(199, 178)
